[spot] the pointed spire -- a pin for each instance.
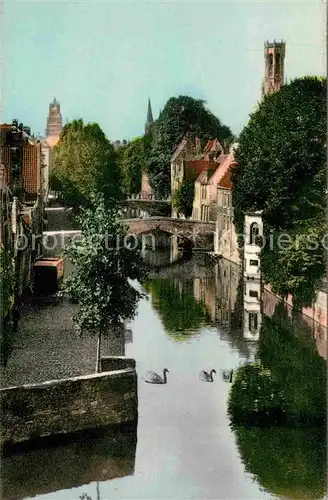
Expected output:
(150, 119)
(149, 113)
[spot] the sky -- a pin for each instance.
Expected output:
(103, 59)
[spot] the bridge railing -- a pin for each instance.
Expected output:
(147, 197)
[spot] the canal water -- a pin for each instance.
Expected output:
(187, 444)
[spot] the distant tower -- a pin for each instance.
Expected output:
(54, 123)
(150, 119)
(274, 56)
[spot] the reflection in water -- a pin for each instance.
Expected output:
(94, 456)
(289, 462)
(182, 315)
(187, 446)
(287, 383)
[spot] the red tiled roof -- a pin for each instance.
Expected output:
(208, 146)
(212, 145)
(226, 181)
(194, 167)
(31, 156)
(5, 159)
(4, 129)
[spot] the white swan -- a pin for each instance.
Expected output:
(154, 378)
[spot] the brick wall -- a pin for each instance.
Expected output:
(68, 405)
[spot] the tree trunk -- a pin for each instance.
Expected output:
(98, 353)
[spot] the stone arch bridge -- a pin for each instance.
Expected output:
(196, 231)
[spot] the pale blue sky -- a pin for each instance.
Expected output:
(103, 59)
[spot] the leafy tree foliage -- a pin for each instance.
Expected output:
(133, 162)
(184, 198)
(180, 115)
(103, 267)
(85, 161)
(297, 266)
(282, 171)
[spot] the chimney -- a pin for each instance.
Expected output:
(198, 146)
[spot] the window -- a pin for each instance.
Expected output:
(253, 262)
(254, 232)
(270, 64)
(204, 191)
(254, 293)
(252, 322)
(277, 64)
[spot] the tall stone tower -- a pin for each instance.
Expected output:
(54, 123)
(274, 57)
(150, 119)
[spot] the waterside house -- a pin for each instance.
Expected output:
(225, 238)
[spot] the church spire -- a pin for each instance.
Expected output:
(150, 119)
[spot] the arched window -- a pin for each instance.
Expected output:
(277, 64)
(252, 322)
(254, 233)
(270, 64)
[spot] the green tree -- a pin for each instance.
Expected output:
(180, 115)
(133, 162)
(85, 161)
(297, 266)
(282, 171)
(184, 198)
(103, 267)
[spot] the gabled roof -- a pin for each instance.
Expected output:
(226, 182)
(179, 148)
(212, 145)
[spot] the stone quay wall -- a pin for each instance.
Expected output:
(68, 405)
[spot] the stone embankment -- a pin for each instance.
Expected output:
(69, 405)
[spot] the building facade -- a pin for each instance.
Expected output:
(182, 167)
(206, 185)
(22, 180)
(225, 237)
